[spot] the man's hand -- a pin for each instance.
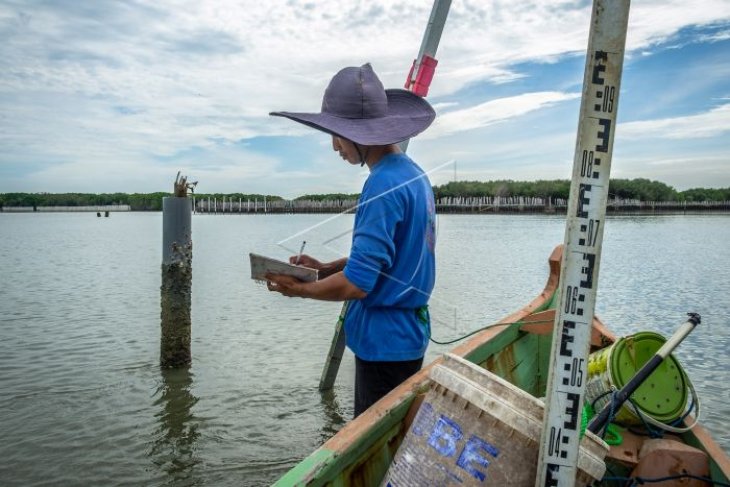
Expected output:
(325, 269)
(306, 261)
(333, 288)
(286, 285)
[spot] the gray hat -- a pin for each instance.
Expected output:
(356, 107)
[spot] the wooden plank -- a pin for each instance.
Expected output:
(334, 357)
(542, 323)
(719, 461)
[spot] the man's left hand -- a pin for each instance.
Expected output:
(286, 285)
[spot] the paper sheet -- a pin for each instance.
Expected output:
(261, 265)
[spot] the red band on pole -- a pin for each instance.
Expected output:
(426, 71)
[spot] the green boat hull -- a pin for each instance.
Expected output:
(516, 349)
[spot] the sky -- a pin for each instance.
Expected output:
(118, 96)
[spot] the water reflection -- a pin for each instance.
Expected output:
(173, 451)
(334, 419)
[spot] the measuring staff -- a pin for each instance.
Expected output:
(560, 438)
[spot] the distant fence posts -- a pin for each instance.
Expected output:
(461, 204)
(266, 206)
(464, 204)
(455, 204)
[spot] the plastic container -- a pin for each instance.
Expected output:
(663, 395)
(476, 429)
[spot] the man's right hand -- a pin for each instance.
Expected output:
(306, 261)
(325, 268)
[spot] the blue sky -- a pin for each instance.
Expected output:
(102, 96)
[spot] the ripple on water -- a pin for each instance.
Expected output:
(84, 402)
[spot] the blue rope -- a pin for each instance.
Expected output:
(652, 432)
(611, 413)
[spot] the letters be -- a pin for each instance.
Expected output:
(445, 438)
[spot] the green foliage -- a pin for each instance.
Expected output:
(62, 199)
(136, 201)
(328, 197)
(639, 189)
(543, 188)
(705, 194)
(146, 201)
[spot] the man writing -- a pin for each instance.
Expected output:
(390, 272)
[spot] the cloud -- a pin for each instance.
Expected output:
(715, 36)
(140, 85)
(682, 172)
(713, 123)
(654, 21)
(494, 111)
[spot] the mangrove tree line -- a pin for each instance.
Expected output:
(636, 189)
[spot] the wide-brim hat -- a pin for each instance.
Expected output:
(356, 107)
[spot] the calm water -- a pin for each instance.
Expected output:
(83, 401)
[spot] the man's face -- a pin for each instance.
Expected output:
(346, 149)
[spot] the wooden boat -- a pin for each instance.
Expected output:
(516, 349)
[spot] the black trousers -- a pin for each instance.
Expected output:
(374, 380)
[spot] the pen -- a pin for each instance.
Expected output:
(301, 249)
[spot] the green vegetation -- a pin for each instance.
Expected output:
(637, 189)
(542, 188)
(136, 201)
(707, 194)
(327, 197)
(642, 189)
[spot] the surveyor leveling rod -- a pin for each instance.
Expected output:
(601, 419)
(559, 444)
(418, 80)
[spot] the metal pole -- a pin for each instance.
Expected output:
(559, 445)
(177, 273)
(432, 34)
(429, 44)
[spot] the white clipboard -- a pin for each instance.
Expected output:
(260, 266)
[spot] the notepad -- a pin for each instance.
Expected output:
(260, 266)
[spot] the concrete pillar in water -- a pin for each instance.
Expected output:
(177, 277)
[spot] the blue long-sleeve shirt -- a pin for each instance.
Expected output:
(392, 260)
